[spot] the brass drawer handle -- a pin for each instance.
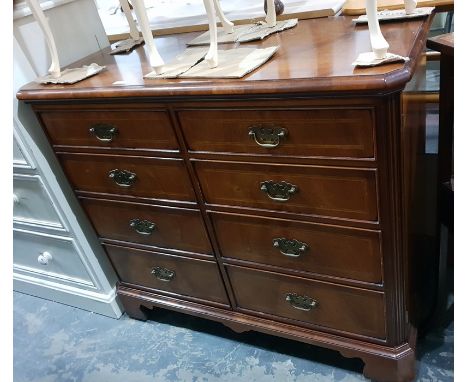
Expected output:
(104, 132)
(291, 248)
(267, 136)
(280, 191)
(163, 274)
(122, 178)
(297, 301)
(143, 227)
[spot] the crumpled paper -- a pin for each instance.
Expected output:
(397, 14)
(368, 59)
(232, 63)
(180, 64)
(71, 76)
(126, 45)
(245, 33)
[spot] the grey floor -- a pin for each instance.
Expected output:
(59, 343)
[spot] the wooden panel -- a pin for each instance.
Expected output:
(341, 308)
(195, 278)
(327, 191)
(332, 250)
(176, 228)
(135, 129)
(329, 132)
(156, 178)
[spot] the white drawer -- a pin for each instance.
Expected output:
(49, 256)
(32, 204)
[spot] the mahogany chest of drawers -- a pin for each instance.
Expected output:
(278, 203)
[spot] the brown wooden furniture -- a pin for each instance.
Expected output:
(445, 176)
(279, 203)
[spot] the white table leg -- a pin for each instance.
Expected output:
(227, 25)
(39, 16)
(378, 42)
(212, 55)
(271, 13)
(156, 61)
(134, 34)
(410, 6)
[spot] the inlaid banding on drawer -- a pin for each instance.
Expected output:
(155, 178)
(148, 130)
(324, 249)
(175, 274)
(327, 191)
(329, 132)
(353, 310)
(173, 228)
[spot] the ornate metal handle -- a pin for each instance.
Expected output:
(291, 248)
(143, 227)
(123, 178)
(163, 274)
(267, 135)
(301, 302)
(104, 132)
(280, 192)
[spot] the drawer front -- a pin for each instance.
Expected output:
(334, 192)
(303, 133)
(351, 310)
(119, 129)
(188, 277)
(32, 203)
(52, 257)
(164, 227)
(317, 248)
(144, 177)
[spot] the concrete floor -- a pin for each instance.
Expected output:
(59, 343)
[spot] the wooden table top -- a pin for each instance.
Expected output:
(358, 7)
(314, 57)
(443, 43)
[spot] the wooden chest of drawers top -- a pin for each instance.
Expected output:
(314, 57)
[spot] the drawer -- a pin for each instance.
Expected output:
(151, 130)
(52, 257)
(330, 132)
(155, 178)
(174, 274)
(345, 309)
(32, 203)
(164, 227)
(328, 191)
(317, 248)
